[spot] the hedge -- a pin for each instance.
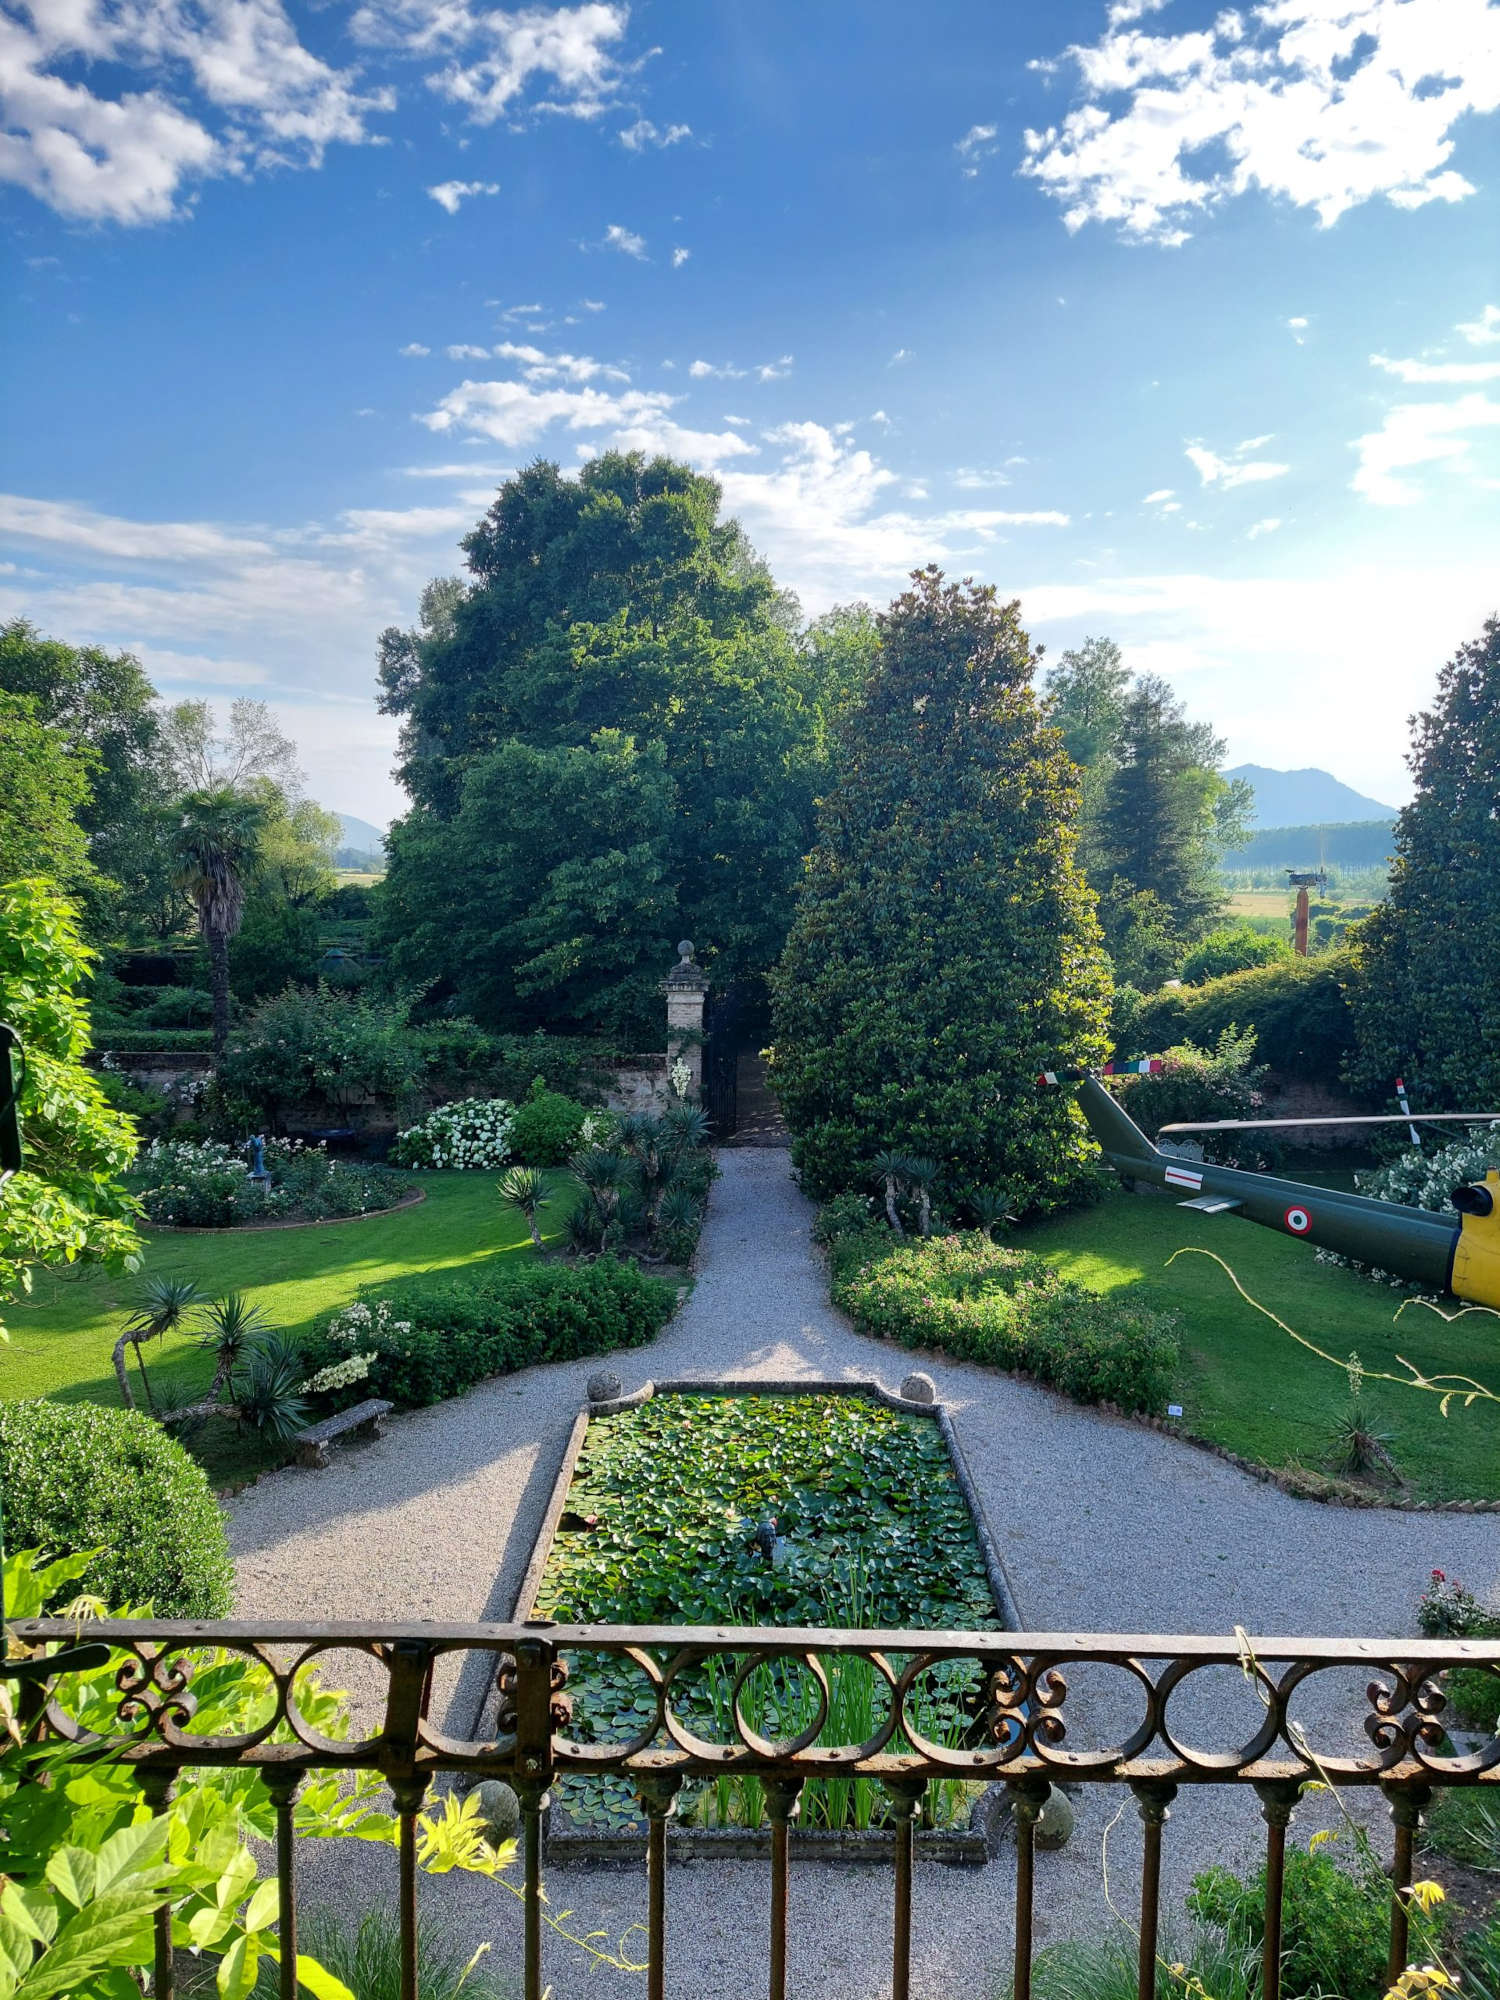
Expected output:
(978, 1301)
(1297, 1008)
(80, 1477)
(436, 1340)
(149, 1041)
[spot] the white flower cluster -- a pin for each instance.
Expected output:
(180, 1159)
(470, 1135)
(360, 1322)
(337, 1375)
(1427, 1180)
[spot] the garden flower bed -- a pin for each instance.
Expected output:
(821, 1504)
(182, 1185)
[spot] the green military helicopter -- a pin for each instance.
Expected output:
(1461, 1256)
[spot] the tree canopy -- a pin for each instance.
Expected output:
(945, 948)
(619, 648)
(1428, 958)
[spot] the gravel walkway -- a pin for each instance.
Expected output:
(1102, 1526)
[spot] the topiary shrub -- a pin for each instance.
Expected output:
(545, 1129)
(1231, 948)
(430, 1341)
(1297, 1008)
(78, 1477)
(979, 1301)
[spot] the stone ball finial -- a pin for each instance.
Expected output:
(919, 1388)
(604, 1386)
(685, 951)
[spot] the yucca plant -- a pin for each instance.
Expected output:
(921, 1178)
(525, 1190)
(166, 1305)
(230, 1328)
(1356, 1449)
(687, 1127)
(267, 1395)
(990, 1208)
(889, 1169)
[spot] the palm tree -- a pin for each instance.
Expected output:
(166, 1305)
(890, 1168)
(525, 1189)
(215, 845)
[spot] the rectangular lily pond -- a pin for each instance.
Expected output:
(730, 1504)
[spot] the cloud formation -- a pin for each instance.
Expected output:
(1321, 103)
(642, 134)
(1237, 467)
(452, 194)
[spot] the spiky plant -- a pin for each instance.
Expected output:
(230, 1328)
(215, 846)
(647, 1139)
(1356, 1449)
(889, 1169)
(267, 1395)
(921, 1178)
(990, 1208)
(687, 1127)
(525, 1190)
(166, 1305)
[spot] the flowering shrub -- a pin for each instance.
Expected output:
(471, 1134)
(208, 1185)
(1197, 1085)
(1427, 1180)
(1448, 1611)
(979, 1301)
(337, 1375)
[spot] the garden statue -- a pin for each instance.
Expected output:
(1458, 1254)
(255, 1146)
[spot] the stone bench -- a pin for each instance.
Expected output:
(313, 1443)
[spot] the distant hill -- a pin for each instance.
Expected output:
(362, 848)
(1366, 843)
(1306, 798)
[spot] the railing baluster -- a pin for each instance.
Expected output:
(1277, 1803)
(408, 1793)
(1407, 1804)
(781, 1806)
(156, 1782)
(906, 1796)
(658, 1796)
(283, 1787)
(533, 1720)
(1153, 1802)
(1027, 1797)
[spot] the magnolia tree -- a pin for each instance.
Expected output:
(945, 947)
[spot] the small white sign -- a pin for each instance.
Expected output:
(1174, 1409)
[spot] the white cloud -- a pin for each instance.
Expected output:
(1132, 10)
(592, 305)
(491, 59)
(975, 478)
(772, 371)
(1297, 328)
(706, 449)
(680, 257)
(1416, 434)
(1237, 468)
(975, 147)
(1479, 332)
(901, 354)
(637, 137)
(452, 194)
(1266, 527)
(701, 370)
(198, 88)
(742, 422)
(1155, 499)
(1323, 103)
(538, 366)
(879, 417)
(516, 414)
(414, 348)
(461, 351)
(617, 237)
(80, 529)
(1438, 371)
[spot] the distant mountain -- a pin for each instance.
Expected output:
(1306, 798)
(360, 835)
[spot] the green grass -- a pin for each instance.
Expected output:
(62, 1337)
(1245, 1384)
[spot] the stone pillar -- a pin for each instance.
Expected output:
(687, 989)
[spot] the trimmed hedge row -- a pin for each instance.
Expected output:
(978, 1301)
(80, 1477)
(434, 1341)
(1297, 1008)
(149, 1041)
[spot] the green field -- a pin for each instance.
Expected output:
(1247, 1385)
(62, 1337)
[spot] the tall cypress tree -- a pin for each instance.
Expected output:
(945, 947)
(1426, 997)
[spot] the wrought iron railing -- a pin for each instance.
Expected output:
(1025, 1731)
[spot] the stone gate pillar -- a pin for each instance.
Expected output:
(687, 989)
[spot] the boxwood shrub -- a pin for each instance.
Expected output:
(79, 1477)
(434, 1340)
(545, 1128)
(1298, 1008)
(980, 1301)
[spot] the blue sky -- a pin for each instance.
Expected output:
(1179, 323)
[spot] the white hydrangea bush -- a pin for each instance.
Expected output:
(1427, 1180)
(471, 1135)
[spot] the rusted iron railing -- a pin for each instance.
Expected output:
(1021, 1734)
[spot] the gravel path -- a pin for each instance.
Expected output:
(1102, 1526)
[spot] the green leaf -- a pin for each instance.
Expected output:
(71, 1871)
(237, 1967)
(320, 1983)
(114, 1929)
(264, 1906)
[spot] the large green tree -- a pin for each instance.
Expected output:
(67, 1204)
(945, 947)
(615, 605)
(1426, 997)
(44, 786)
(216, 842)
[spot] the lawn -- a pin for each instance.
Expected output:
(1246, 1385)
(62, 1337)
